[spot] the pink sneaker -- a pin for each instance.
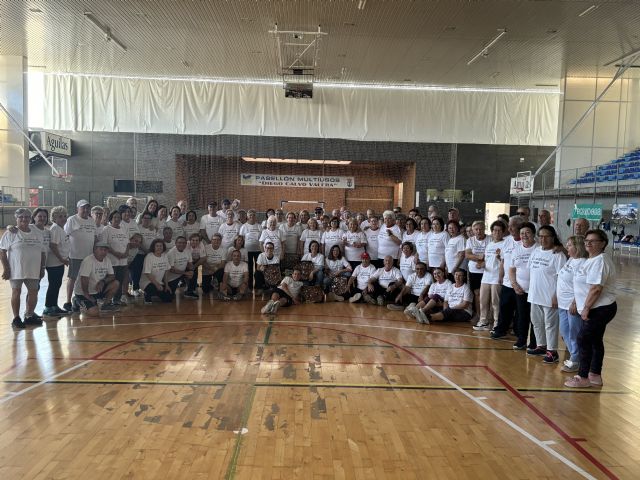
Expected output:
(595, 379)
(577, 382)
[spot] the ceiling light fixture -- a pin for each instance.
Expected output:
(362, 4)
(588, 10)
(631, 55)
(108, 35)
(485, 50)
(296, 161)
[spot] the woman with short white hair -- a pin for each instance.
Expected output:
(23, 260)
(390, 236)
(272, 234)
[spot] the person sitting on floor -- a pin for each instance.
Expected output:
(458, 301)
(414, 290)
(385, 282)
(96, 280)
(155, 272)
(286, 294)
(181, 271)
(359, 280)
(235, 280)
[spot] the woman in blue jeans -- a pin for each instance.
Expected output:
(570, 321)
(593, 286)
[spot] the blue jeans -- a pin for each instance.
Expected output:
(569, 329)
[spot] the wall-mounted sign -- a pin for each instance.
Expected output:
(52, 143)
(590, 211)
(303, 181)
(625, 213)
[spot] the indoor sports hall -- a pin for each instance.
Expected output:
(215, 133)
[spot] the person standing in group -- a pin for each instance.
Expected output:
(210, 222)
(411, 232)
(251, 231)
(520, 276)
(174, 223)
(332, 237)
(437, 245)
(594, 289)
(491, 282)
(273, 235)
(390, 237)
(372, 231)
(195, 248)
(82, 235)
(422, 240)
(57, 259)
(454, 251)
(354, 241)
(23, 261)
(152, 210)
(290, 233)
(311, 233)
(544, 265)
(191, 224)
(570, 321)
(474, 253)
(117, 239)
(101, 216)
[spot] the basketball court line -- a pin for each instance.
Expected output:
(322, 326)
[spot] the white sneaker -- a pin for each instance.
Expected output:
(274, 307)
(569, 366)
(267, 307)
(411, 309)
(421, 317)
(355, 298)
(482, 327)
(136, 293)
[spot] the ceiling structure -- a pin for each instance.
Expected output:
(381, 42)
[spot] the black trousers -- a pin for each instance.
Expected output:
(120, 273)
(136, 270)
(389, 297)
(151, 291)
(208, 279)
(523, 322)
(508, 309)
(193, 282)
(590, 339)
(55, 275)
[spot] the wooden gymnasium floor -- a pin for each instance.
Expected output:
(213, 390)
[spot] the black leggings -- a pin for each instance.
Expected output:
(120, 273)
(136, 270)
(590, 338)
(55, 275)
(151, 291)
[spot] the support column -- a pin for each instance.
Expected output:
(14, 149)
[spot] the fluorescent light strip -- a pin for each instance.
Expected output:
(350, 86)
(296, 161)
(588, 10)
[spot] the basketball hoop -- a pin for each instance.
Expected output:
(67, 177)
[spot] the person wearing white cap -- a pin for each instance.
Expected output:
(96, 280)
(81, 229)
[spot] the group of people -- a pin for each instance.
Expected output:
(519, 278)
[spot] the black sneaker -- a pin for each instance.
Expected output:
(33, 319)
(190, 295)
(67, 307)
(551, 357)
(517, 346)
(537, 352)
(60, 311)
(17, 323)
(496, 335)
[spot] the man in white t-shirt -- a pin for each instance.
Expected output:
(385, 283)
(210, 222)
(180, 262)
(414, 290)
(96, 280)
(286, 294)
(360, 278)
(213, 267)
(82, 232)
(235, 280)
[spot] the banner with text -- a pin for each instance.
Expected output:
(304, 181)
(590, 211)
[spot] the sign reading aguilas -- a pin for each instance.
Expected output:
(303, 181)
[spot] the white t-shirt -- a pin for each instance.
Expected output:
(82, 235)
(95, 270)
(156, 266)
(118, 240)
(491, 274)
(458, 295)
(235, 273)
(190, 229)
(337, 264)
(544, 266)
(24, 252)
(251, 234)
(564, 289)
(385, 277)
(331, 238)
(293, 286)
(407, 265)
(176, 228)
(440, 288)
(195, 253)
(372, 243)
(362, 275)
(477, 247)
(210, 224)
(508, 247)
(59, 237)
(410, 237)
(418, 284)
(598, 270)
(520, 261)
(291, 235)
(273, 236)
(352, 253)
(318, 260)
(308, 236)
(264, 260)
(214, 257)
(178, 260)
(437, 246)
(455, 245)
(229, 233)
(244, 255)
(148, 236)
(386, 246)
(422, 246)
(130, 227)
(46, 239)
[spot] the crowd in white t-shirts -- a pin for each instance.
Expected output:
(517, 280)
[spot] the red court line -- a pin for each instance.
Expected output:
(571, 440)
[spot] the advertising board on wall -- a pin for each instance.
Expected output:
(52, 143)
(298, 181)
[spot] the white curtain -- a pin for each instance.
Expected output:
(108, 104)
